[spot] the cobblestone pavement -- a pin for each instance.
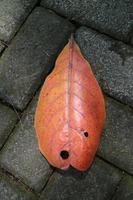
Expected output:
(32, 33)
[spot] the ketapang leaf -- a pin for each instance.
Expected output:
(70, 113)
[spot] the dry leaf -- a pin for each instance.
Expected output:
(70, 113)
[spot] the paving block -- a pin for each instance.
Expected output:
(11, 190)
(111, 61)
(31, 55)
(111, 17)
(116, 143)
(96, 184)
(21, 156)
(125, 190)
(8, 119)
(12, 15)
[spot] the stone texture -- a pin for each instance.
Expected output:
(8, 118)
(111, 61)
(31, 55)
(110, 17)
(11, 190)
(98, 183)
(12, 15)
(117, 139)
(21, 157)
(125, 190)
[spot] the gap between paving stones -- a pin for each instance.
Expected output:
(116, 142)
(8, 119)
(31, 168)
(117, 187)
(27, 187)
(54, 170)
(80, 182)
(11, 188)
(6, 44)
(9, 134)
(123, 172)
(115, 166)
(123, 175)
(2, 47)
(18, 17)
(9, 174)
(110, 17)
(78, 25)
(9, 42)
(18, 113)
(18, 121)
(123, 103)
(37, 5)
(125, 191)
(17, 180)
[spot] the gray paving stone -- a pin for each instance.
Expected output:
(117, 139)
(96, 184)
(12, 15)
(21, 157)
(125, 190)
(10, 190)
(111, 61)
(110, 17)
(31, 55)
(8, 118)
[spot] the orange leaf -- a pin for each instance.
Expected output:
(70, 113)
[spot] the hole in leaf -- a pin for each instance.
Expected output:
(86, 134)
(64, 154)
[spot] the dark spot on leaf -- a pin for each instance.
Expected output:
(64, 154)
(86, 134)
